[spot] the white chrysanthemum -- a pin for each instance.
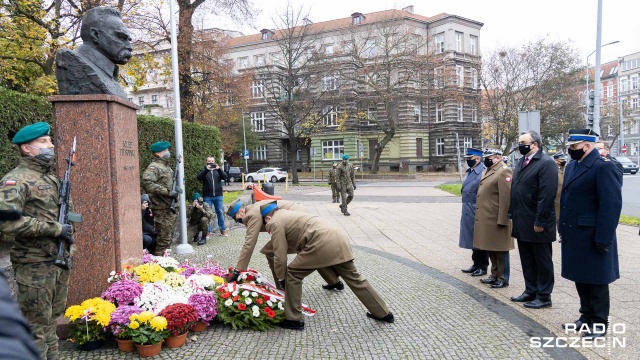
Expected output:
(269, 303)
(255, 308)
(280, 306)
(203, 281)
(235, 293)
(168, 263)
(245, 293)
(248, 301)
(254, 294)
(228, 303)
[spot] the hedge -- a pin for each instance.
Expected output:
(199, 141)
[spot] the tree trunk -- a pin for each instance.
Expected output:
(185, 49)
(293, 159)
(379, 149)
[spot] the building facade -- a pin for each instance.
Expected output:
(629, 87)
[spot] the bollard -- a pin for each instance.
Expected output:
(242, 176)
(286, 183)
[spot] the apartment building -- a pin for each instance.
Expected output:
(629, 80)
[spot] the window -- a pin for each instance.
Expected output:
(154, 99)
(141, 100)
(130, 99)
(276, 58)
(257, 121)
(624, 84)
(332, 149)
(459, 38)
(440, 112)
(460, 75)
(634, 103)
(473, 45)
(329, 83)
(370, 48)
(474, 79)
(609, 91)
(439, 40)
(474, 113)
(328, 49)
(259, 60)
(417, 113)
(243, 62)
(634, 82)
(438, 77)
(260, 153)
(257, 89)
(460, 112)
(468, 142)
(439, 146)
(418, 146)
(330, 117)
(371, 115)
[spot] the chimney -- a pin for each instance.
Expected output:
(408, 9)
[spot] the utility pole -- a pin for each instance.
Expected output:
(597, 86)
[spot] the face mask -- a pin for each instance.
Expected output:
(166, 155)
(45, 155)
(576, 154)
(239, 221)
(524, 149)
(471, 163)
(563, 163)
(488, 162)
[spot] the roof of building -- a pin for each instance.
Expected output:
(608, 70)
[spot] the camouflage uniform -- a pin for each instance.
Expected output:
(198, 221)
(32, 189)
(346, 182)
(157, 181)
(333, 181)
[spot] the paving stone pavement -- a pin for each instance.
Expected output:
(407, 248)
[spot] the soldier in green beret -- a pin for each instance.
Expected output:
(346, 183)
(333, 181)
(157, 182)
(199, 215)
(32, 189)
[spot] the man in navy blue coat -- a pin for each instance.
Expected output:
(590, 204)
(480, 258)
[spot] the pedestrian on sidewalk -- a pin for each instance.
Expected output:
(318, 244)
(211, 178)
(346, 183)
(249, 216)
(590, 210)
(333, 181)
(480, 258)
(603, 149)
(532, 212)
(492, 230)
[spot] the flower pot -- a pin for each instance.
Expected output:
(200, 326)
(92, 345)
(175, 341)
(149, 350)
(125, 345)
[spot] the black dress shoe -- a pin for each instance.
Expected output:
(499, 284)
(292, 324)
(489, 280)
(592, 336)
(578, 324)
(538, 304)
(337, 286)
(479, 272)
(389, 318)
(523, 298)
(469, 270)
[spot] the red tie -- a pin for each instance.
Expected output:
(526, 162)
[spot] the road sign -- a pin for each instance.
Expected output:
(246, 154)
(624, 149)
(313, 151)
(529, 120)
(361, 150)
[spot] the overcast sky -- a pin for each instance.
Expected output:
(506, 22)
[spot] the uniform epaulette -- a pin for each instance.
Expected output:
(605, 158)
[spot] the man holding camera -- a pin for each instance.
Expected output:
(199, 215)
(211, 178)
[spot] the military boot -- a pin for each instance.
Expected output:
(203, 240)
(345, 212)
(195, 237)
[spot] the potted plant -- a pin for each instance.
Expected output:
(122, 292)
(119, 326)
(147, 332)
(87, 322)
(180, 319)
(206, 306)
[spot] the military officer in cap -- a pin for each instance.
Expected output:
(249, 216)
(157, 181)
(480, 258)
(32, 189)
(318, 244)
(561, 160)
(492, 230)
(199, 215)
(589, 213)
(346, 183)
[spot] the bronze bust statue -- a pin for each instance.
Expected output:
(93, 68)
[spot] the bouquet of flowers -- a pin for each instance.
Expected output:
(248, 306)
(180, 318)
(174, 280)
(147, 257)
(88, 320)
(149, 273)
(147, 329)
(206, 306)
(206, 282)
(122, 292)
(155, 297)
(119, 323)
(168, 263)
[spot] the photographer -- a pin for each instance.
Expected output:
(211, 177)
(199, 215)
(149, 233)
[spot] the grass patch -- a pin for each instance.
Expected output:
(229, 196)
(455, 189)
(629, 220)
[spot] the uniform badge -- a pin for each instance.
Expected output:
(9, 182)
(508, 178)
(152, 168)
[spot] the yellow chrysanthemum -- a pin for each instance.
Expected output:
(174, 280)
(218, 279)
(149, 273)
(158, 323)
(133, 317)
(134, 325)
(145, 316)
(74, 312)
(180, 270)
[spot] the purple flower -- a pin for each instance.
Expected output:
(120, 318)
(188, 269)
(206, 306)
(122, 292)
(147, 257)
(213, 270)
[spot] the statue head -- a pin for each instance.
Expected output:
(103, 29)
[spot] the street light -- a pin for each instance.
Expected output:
(593, 52)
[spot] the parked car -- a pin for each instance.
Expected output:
(271, 174)
(235, 173)
(628, 166)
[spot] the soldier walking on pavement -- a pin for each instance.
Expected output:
(590, 210)
(318, 244)
(199, 215)
(469, 193)
(346, 183)
(492, 230)
(157, 181)
(32, 188)
(333, 181)
(250, 217)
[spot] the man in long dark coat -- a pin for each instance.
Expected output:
(590, 210)
(533, 193)
(468, 218)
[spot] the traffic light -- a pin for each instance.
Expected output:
(591, 102)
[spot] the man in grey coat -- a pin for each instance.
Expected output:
(467, 219)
